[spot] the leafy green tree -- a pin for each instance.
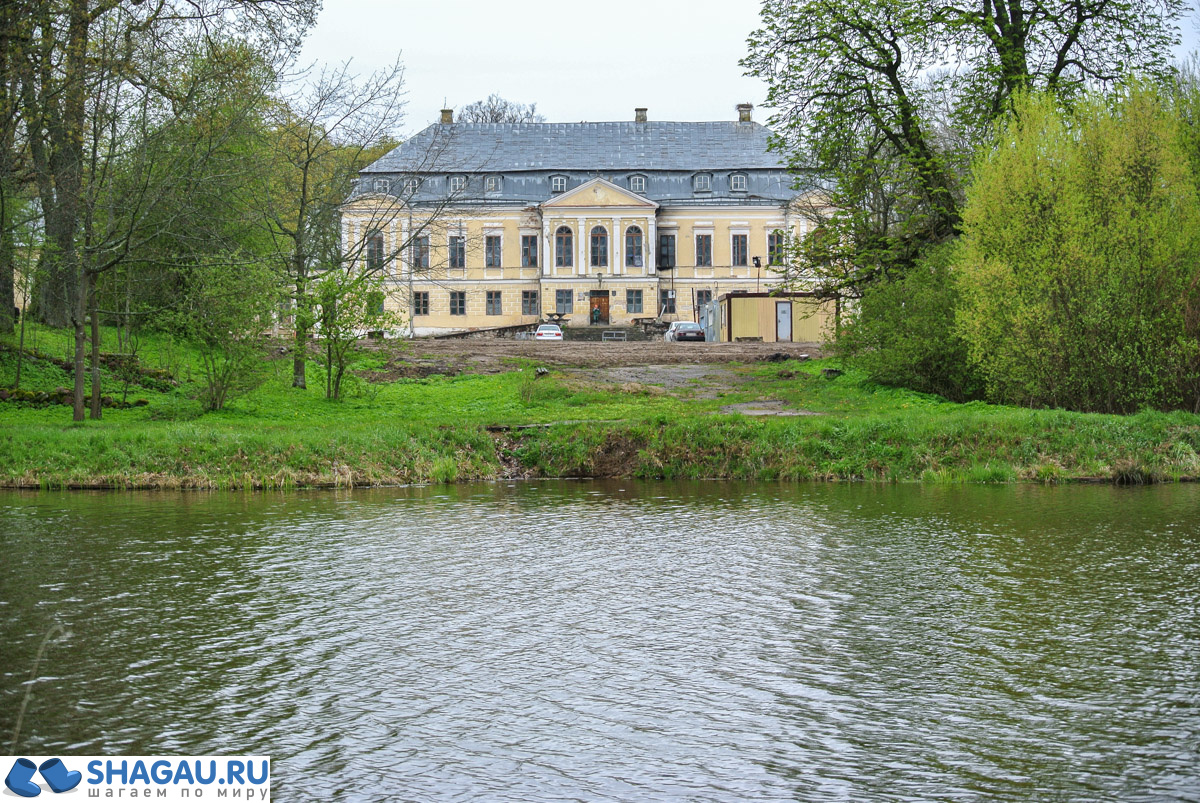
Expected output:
(881, 101)
(1080, 264)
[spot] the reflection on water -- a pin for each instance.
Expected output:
(593, 641)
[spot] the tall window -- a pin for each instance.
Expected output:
(420, 252)
(666, 302)
(563, 247)
(529, 249)
(666, 250)
(637, 183)
(558, 184)
(492, 251)
(529, 302)
(421, 303)
(633, 247)
(564, 301)
(741, 249)
(458, 251)
(737, 182)
(458, 302)
(703, 297)
(458, 183)
(775, 248)
(375, 251)
(633, 301)
(703, 250)
(492, 304)
(599, 247)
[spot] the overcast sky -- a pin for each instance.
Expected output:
(577, 61)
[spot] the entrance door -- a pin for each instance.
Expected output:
(598, 312)
(783, 322)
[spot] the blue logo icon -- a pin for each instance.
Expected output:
(54, 771)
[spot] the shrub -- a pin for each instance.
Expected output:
(1080, 263)
(904, 332)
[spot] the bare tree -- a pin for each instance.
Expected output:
(498, 110)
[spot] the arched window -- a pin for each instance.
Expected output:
(633, 247)
(562, 247)
(599, 247)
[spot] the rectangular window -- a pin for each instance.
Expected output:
(529, 249)
(420, 252)
(737, 182)
(564, 301)
(458, 183)
(420, 303)
(458, 251)
(493, 306)
(703, 183)
(458, 302)
(633, 301)
(637, 183)
(492, 184)
(382, 185)
(703, 297)
(411, 185)
(491, 251)
(741, 250)
(529, 302)
(558, 184)
(666, 302)
(703, 250)
(775, 248)
(374, 251)
(666, 250)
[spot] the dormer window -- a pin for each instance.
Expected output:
(702, 182)
(491, 184)
(558, 184)
(637, 184)
(737, 182)
(458, 183)
(382, 185)
(411, 185)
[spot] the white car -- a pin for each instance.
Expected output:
(548, 331)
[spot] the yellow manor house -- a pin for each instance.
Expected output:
(492, 225)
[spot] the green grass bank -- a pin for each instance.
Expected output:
(571, 423)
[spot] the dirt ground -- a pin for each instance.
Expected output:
(423, 357)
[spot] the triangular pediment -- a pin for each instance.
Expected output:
(599, 192)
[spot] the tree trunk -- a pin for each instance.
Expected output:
(97, 408)
(300, 351)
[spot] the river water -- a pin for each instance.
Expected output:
(620, 641)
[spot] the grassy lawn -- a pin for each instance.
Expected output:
(468, 427)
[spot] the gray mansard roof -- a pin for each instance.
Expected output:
(517, 147)
(525, 162)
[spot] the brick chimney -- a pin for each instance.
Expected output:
(639, 114)
(447, 116)
(744, 110)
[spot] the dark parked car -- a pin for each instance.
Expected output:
(684, 330)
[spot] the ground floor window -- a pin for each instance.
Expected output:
(703, 297)
(493, 306)
(420, 303)
(564, 301)
(529, 302)
(666, 301)
(458, 302)
(633, 301)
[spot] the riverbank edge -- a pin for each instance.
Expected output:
(1053, 447)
